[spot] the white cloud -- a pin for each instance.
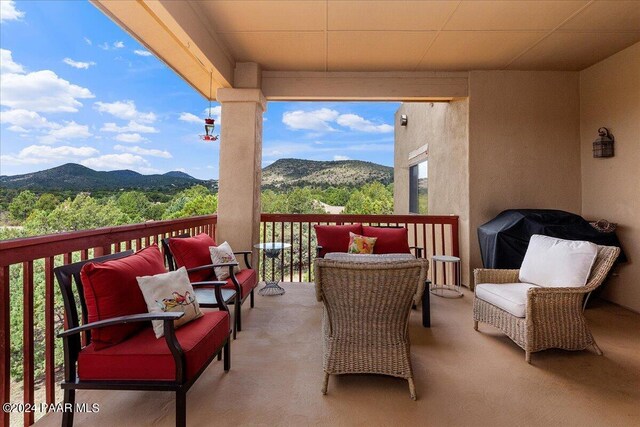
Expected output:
(191, 118)
(114, 45)
(37, 154)
(7, 65)
(78, 64)
(132, 126)
(339, 157)
(41, 91)
(119, 161)
(130, 137)
(321, 120)
(70, 130)
(8, 11)
(125, 110)
(317, 120)
(358, 123)
(142, 52)
(88, 41)
(24, 119)
(143, 151)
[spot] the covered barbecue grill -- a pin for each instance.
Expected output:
(504, 239)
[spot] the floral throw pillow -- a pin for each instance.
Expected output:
(221, 255)
(361, 244)
(170, 291)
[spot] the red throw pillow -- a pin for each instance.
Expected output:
(111, 290)
(390, 240)
(335, 238)
(193, 252)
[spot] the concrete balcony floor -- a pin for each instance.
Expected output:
(462, 377)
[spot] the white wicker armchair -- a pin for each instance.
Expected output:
(554, 316)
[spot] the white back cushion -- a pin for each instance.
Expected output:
(552, 262)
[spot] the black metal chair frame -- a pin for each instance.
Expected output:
(238, 300)
(66, 275)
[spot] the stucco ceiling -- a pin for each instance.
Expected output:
(337, 35)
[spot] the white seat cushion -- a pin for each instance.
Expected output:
(552, 262)
(511, 297)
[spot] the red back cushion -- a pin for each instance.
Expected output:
(193, 252)
(111, 290)
(335, 238)
(390, 240)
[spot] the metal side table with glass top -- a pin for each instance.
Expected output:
(273, 250)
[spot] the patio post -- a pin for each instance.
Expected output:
(240, 167)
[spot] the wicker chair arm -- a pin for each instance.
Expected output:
(498, 276)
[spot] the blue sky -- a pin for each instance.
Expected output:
(75, 87)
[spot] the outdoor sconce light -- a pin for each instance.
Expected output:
(603, 145)
(403, 120)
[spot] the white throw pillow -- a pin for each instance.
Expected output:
(223, 254)
(553, 263)
(170, 291)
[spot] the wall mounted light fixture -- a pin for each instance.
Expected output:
(603, 145)
(403, 120)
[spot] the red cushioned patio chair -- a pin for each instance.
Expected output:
(199, 267)
(140, 361)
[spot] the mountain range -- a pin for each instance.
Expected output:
(282, 174)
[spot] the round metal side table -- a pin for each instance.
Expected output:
(444, 290)
(272, 250)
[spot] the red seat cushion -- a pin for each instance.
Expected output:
(111, 290)
(144, 357)
(193, 252)
(335, 238)
(247, 279)
(390, 240)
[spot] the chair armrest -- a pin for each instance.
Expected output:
(540, 290)
(215, 283)
(211, 266)
(246, 257)
(419, 250)
(217, 291)
(498, 276)
(142, 317)
(318, 250)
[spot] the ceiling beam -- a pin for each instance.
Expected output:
(364, 86)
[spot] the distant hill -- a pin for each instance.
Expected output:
(76, 177)
(285, 173)
(282, 174)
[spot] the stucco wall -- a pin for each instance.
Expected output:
(425, 126)
(610, 97)
(524, 144)
(449, 174)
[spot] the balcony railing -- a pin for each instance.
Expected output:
(437, 235)
(21, 258)
(26, 266)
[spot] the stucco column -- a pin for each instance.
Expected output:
(240, 168)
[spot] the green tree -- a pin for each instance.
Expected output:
(22, 205)
(371, 199)
(47, 202)
(135, 204)
(196, 200)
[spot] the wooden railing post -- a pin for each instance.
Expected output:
(27, 339)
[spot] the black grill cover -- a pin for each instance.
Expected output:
(504, 239)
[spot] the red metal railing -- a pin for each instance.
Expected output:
(437, 235)
(55, 250)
